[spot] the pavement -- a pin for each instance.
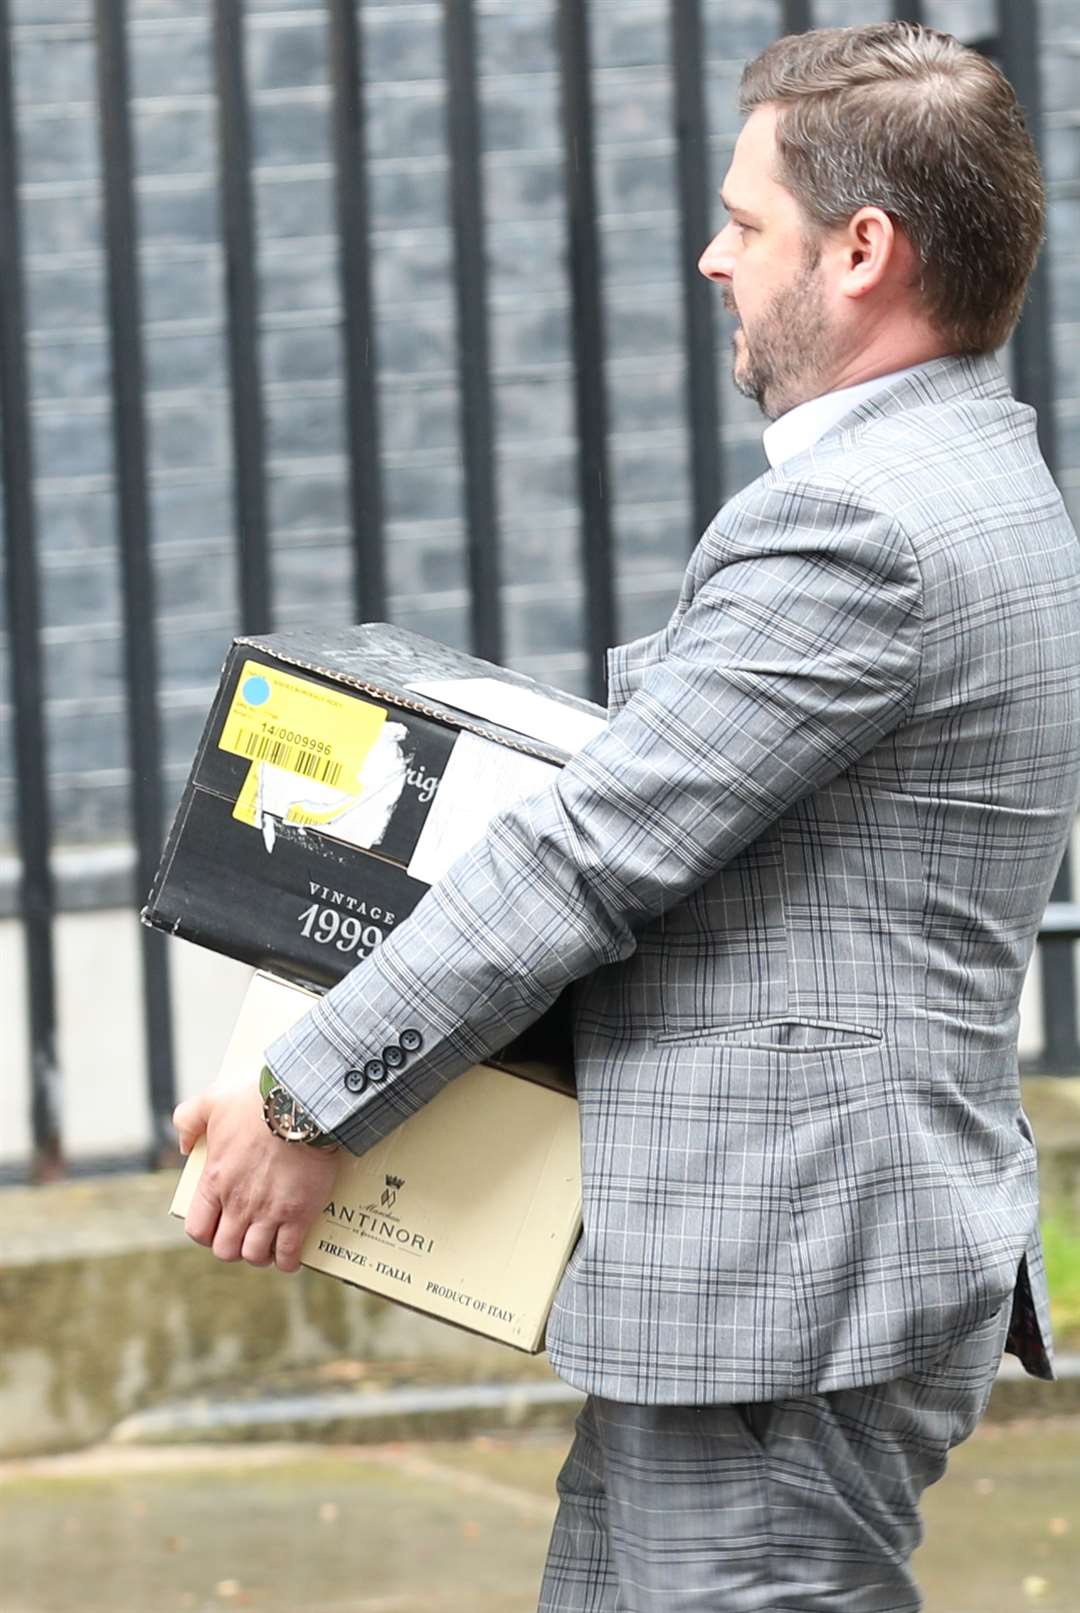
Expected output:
(448, 1527)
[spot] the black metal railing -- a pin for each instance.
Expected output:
(357, 302)
(141, 678)
(1016, 46)
(24, 639)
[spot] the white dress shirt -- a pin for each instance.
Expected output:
(804, 425)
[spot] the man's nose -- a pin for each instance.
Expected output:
(715, 262)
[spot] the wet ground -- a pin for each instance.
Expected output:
(447, 1528)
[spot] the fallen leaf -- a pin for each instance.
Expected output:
(1035, 1588)
(344, 1371)
(227, 1589)
(984, 1486)
(1058, 1526)
(471, 1530)
(329, 1512)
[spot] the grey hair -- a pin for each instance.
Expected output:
(907, 119)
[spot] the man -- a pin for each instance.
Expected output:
(797, 882)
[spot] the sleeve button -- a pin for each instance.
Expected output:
(374, 1069)
(354, 1080)
(411, 1040)
(393, 1057)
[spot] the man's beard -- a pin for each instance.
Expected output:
(781, 366)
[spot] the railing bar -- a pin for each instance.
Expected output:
(1061, 918)
(473, 345)
(1033, 370)
(140, 642)
(796, 16)
(1017, 40)
(237, 211)
(32, 809)
(702, 393)
(594, 481)
(358, 321)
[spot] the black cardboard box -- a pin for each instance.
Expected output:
(335, 780)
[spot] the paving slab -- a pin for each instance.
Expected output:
(448, 1527)
(385, 1530)
(1003, 1526)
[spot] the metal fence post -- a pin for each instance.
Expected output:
(33, 826)
(594, 480)
(474, 362)
(357, 310)
(140, 619)
(796, 16)
(696, 229)
(1033, 360)
(241, 280)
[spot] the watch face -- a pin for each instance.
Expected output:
(286, 1119)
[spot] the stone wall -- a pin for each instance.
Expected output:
(183, 300)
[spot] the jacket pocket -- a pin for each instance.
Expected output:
(777, 1034)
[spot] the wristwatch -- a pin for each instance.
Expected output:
(285, 1117)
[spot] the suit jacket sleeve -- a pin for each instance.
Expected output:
(794, 650)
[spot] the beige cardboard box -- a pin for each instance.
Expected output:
(468, 1211)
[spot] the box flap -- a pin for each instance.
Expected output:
(384, 661)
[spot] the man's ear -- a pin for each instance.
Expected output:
(872, 251)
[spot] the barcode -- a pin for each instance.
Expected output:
(293, 758)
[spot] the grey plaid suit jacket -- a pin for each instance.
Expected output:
(797, 880)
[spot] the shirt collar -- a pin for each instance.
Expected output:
(808, 422)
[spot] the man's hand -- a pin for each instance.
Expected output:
(257, 1196)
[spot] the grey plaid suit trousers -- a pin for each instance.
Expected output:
(803, 1505)
(794, 885)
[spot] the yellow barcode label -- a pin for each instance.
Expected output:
(312, 730)
(294, 759)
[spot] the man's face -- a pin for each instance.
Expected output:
(772, 280)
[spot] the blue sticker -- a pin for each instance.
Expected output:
(256, 691)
